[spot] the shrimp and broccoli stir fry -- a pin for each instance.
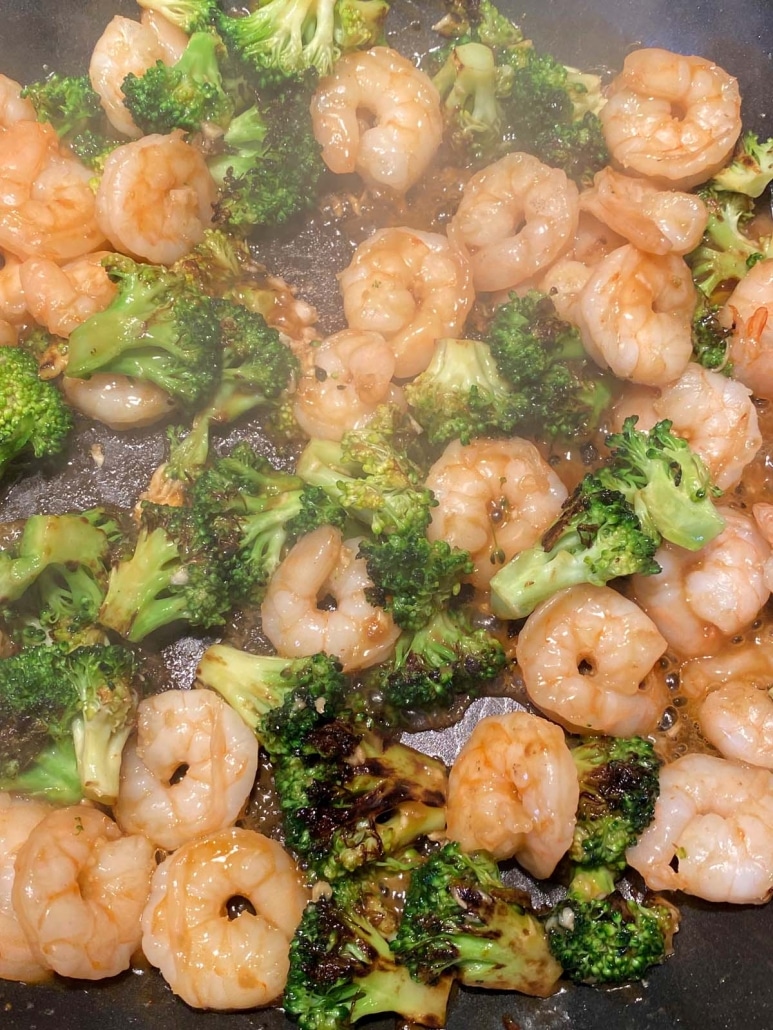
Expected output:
(516, 474)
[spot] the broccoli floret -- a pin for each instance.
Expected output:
(610, 941)
(93, 148)
(58, 544)
(467, 83)
(254, 513)
(710, 339)
(413, 578)
(68, 102)
(158, 328)
(253, 685)
(372, 475)
(578, 148)
(444, 661)
(189, 15)
(284, 38)
(750, 170)
(560, 393)
(459, 916)
(341, 966)
(65, 718)
(726, 253)
(347, 796)
(461, 394)
(667, 483)
(479, 20)
(174, 575)
(270, 165)
(619, 785)
(596, 538)
(185, 95)
(33, 415)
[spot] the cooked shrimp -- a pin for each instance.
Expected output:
(763, 516)
(585, 655)
(671, 118)
(188, 771)
(513, 791)
(701, 598)
(117, 400)
(13, 107)
(636, 315)
(495, 498)
(653, 220)
(516, 217)
(61, 297)
(396, 144)
(155, 198)
(13, 303)
(749, 311)
(171, 39)
(79, 892)
(593, 239)
(412, 287)
(714, 414)
(18, 817)
(9, 334)
(564, 282)
(47, 207)
(221, 914)
(319, 566)
(712, 834)
(348, 375)
(125, 46)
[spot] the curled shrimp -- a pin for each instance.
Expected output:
(654, 220)
(516, 217)
(585, 655)
(155, 198)
(671, 118)
(221, 914)
(125, 46)
(13, 106)
(712, 833)
(412, 287)
(188, 771)
(348, 376)
(763, 516)
(118, 401)
(495, 498)
(636, 315)
(13, 303)
(513, 791)
(701, 598)
(47, 208)
(79, 892)
(170, 38)
(713, 413)
(61, 297)
(18, 818)
(321, 565)
(395, 146)
(749, 311)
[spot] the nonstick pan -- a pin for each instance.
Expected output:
(721, 977)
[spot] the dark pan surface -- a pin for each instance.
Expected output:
(721, 977)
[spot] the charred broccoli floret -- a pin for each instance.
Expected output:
(189, 15)
(726, 252)
(750, 170)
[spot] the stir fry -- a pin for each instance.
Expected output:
(527, 462)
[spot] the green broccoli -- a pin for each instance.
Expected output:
(710, 339)
(185, 95)
(467, 83)
(75, 546)
(255, 513)
(269, 165)
(253, 684)
(579, 148)
(667, 483)
(479, 21)
(34, 419)
(65, 718)
(174, 575)
(342, 969)
(596, 538)
(158, 328)
(445, 661)
(189, 15)
(68, 102)
(750, 170)
(460, 917)
(726, 252)
(282, 39)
